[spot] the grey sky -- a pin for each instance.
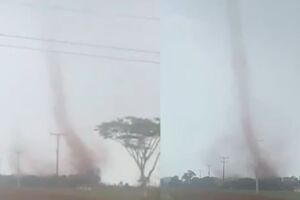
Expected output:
(97, 90)
(200, 120)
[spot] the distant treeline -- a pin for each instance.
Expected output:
(190, 180)
(50, 181)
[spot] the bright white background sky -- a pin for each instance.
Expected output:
(197, 85)
(198, 91)
(97, 90)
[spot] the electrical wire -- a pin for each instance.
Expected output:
(80, 54)
(78, 43)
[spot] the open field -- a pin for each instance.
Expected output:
(194, 194)
(282, 195)
(107, 193)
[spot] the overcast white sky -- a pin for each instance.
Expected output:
(198, 105)
(200, 120)
(97, 90)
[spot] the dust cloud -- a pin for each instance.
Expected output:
(262, 167)
(81, 158)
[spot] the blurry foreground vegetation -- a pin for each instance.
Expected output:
(101, 193)
(196, 194)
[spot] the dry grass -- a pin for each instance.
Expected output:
(117, 193)
(107, 193)
(194, 194)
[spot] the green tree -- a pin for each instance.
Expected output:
(187, 177)
(140, 137)
(175, 182)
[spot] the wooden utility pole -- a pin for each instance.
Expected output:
(18, 152)
(208, 168)
(57, 135)
(223, 160)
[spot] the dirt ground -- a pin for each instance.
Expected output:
(112, 193)
(206, 195)
(68, 194)
(210, 196)
(38, 194)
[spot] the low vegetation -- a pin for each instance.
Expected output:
(196, 194)
(103, 193)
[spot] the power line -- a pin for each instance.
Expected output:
(78, 43)
(91, 12)
(80, 54)
(86, 11)
(141, 17)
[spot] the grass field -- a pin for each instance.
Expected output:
(117, 193)
(107, 193)
(278, 194)
(194, 194)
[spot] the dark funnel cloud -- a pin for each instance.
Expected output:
(262, 167)
(81, 158)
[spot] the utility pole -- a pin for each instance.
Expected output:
(223, 160)
(259, 140)
(256, 184)
(57, 135)
(18, 152)
(208, 172)
(200, 175)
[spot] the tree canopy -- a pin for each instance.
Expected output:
(139, 136)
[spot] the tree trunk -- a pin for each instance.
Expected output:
(144, 182)
(143, 178)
